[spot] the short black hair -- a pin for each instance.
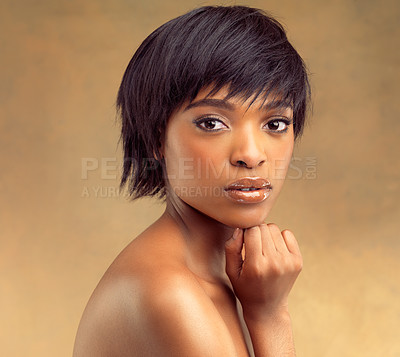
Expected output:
(240, 47)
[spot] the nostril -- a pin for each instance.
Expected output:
(241, 163)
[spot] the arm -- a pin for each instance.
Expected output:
(262, 280)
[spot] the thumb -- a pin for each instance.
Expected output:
(233, 253)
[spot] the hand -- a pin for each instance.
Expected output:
(263, 278)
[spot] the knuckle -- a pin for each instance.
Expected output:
(264, 229)
(229, 247)
(277, 269)
(263, 225)
(295, 264)
(256, 271)
(288, 232)
(286, 265)
(299, 264)
(273, 228)
(252, 232)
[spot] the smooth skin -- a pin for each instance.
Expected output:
(176, 290)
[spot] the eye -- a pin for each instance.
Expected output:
(278, 125)
(210, 124)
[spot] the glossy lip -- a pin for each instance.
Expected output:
(259, 190)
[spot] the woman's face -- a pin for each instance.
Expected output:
(226, 160)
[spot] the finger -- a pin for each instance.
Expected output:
(291, 242)
(277, 238)
(233, 253)
(268, 245)
(252, 242)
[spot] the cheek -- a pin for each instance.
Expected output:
(279, 158)
(191, 162)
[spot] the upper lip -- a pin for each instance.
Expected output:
(249, 182)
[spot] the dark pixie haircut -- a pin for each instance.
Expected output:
(212, 46)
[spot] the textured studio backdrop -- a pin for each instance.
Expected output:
(62, 219)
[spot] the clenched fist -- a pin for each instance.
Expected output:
(262, 264)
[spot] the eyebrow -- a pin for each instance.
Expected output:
(223, 104)
(207, 102)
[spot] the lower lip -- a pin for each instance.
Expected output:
(254, 196)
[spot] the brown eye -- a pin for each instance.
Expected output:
(278, 125)
(210, 124)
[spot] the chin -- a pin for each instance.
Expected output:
(243, 218)
(235, 215)
(245, 222)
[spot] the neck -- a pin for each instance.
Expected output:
(204, 239)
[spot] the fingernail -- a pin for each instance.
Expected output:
(235, 233)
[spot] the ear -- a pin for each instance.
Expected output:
(159, 153)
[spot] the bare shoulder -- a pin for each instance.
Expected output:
(149, 304)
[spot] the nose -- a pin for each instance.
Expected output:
(248, 150)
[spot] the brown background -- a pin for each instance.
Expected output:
(61, 63)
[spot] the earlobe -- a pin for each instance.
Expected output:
(159, 152)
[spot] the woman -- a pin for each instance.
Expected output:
(211, 104)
